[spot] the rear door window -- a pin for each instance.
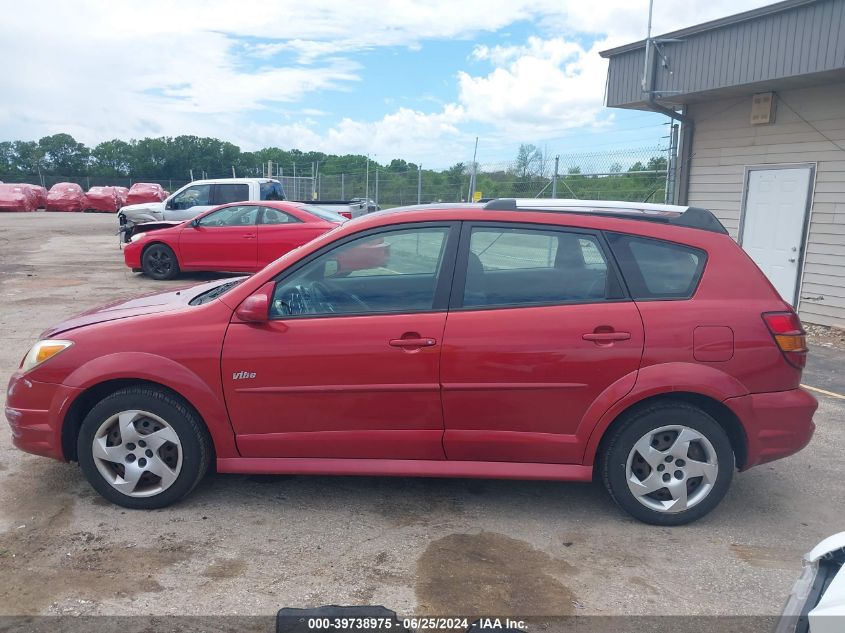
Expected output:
(656, 269)
(515, 266)
(226, 193)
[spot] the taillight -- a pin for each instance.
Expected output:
(789, 335)
(346, 214)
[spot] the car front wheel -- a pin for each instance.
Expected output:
(143, 448)
(159, 262)
(668, 464)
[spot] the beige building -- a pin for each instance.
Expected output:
(760, 98)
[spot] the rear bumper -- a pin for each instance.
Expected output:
(777, 424)
(35, 411)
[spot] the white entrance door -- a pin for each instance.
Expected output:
(773, 223)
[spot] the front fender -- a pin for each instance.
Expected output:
(164, 371)
(651, 381)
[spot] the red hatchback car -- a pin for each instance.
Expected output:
(636, 344)
(240, 237)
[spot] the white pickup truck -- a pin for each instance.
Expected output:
(196, 197)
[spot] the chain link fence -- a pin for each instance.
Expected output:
(631, 174)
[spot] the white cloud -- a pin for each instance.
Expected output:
(542, 88)
(101, 69)
(407, 133)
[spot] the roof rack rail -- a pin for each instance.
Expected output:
(691, 217)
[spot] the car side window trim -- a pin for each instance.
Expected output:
(445, 274)
(456, 300)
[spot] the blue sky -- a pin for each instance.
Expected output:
(408, 79)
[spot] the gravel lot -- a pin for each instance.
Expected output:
(250, 545)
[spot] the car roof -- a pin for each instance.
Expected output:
(685, 216)
(236, 181)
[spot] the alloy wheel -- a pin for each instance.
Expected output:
(671, 469)
(160, 262)
(137, 453)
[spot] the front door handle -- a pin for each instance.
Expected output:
(407, 343)
(606, 337)
(249, 237)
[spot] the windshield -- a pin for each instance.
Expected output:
(323, 214)
(215, 292)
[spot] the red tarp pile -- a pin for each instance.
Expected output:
(17, 198)
(122, 194)
(40, 195)
(65, 196)
(105, 199)
(145, 192)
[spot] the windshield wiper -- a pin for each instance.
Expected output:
(209, 295)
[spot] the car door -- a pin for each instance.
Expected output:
(343, 374)
(539, 328)
(188, 203)
(280, 232)
(225, 239)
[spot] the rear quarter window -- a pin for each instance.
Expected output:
(657, 269)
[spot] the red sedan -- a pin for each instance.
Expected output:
(238, 237)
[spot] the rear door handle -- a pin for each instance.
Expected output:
(412, 342)
(606, 337)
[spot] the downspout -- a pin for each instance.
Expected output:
(682, 176)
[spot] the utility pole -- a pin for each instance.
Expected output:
(367, 181)
(671, 166)
(294, 182)
(368, 200)
(191, 171)
(645, 83)
(472, 174)
(419, 184)
(343, 186)
(554, 181)
(233, 172)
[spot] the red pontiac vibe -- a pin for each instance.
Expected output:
(241, 237)
(541, 339)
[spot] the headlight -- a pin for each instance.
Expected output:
(137, 237)
(43, 351)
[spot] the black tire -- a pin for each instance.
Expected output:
(159, 262)
(194, 443)
(638, 425)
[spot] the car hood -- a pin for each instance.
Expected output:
(174, 299)
(142, 207)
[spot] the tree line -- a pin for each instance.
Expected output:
(178, 158)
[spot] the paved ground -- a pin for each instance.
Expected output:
(249, 545)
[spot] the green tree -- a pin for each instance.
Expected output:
(63, 155)
(111, 158)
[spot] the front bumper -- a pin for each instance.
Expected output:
(132, 255)
(35, 411)
(777, 424)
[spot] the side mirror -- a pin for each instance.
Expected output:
(256, 307)
(195, 222)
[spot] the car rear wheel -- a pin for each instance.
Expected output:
(668, 464)
(143, 448)
(159, 262)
